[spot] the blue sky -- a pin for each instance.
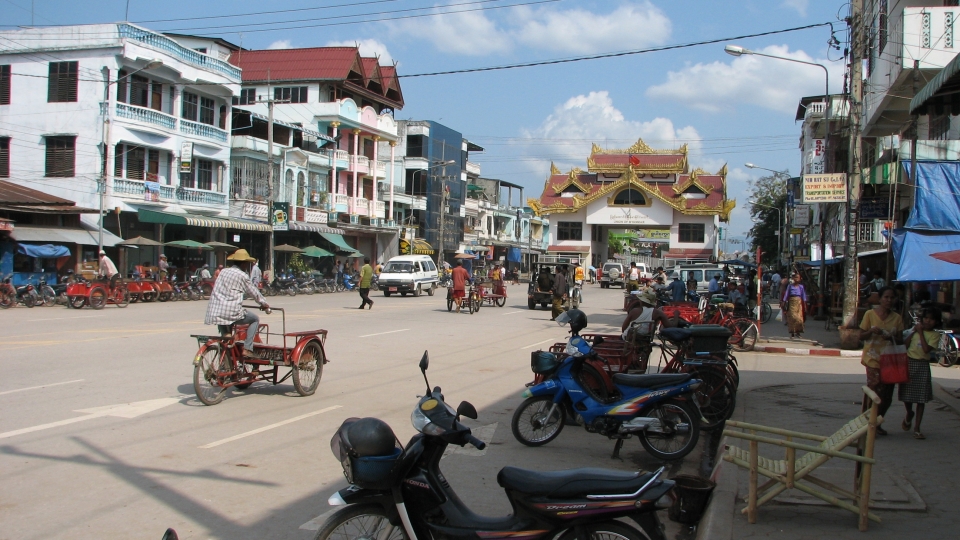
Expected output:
(729, 110)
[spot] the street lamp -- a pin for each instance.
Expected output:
(102, 187)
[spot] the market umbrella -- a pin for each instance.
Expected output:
(464, 256)
(221, 246)
(355, 255)
(139, 241)
(316, 252)
(288, 248)
(189, 244)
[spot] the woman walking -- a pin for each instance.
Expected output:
(794, 305)
(921, 340)
(880, 327)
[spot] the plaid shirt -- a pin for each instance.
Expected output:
(227, 297)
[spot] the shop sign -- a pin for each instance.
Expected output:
(801, 216)
(236, 238)
(405, 247)
(875, 208)
(796, 231)
(817, 157)
(186, 156)
(151, 191)
(280, 217)
(652, 235)
(825, 188)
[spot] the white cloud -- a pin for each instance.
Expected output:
(766, 82)
(548, 29)
(368, 48)
(799, 5)
(280, 44)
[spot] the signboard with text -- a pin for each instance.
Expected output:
(817, 157)
(824, 188)
(875, 208)
(186, 156)
(801, 216)
(280, 217)
(652, 235)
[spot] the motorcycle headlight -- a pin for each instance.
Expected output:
(418, 419)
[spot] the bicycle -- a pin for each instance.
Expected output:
(948, 349)
(745, 331)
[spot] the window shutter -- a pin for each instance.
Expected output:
(4, 157)
(60, 157)
(5, 85)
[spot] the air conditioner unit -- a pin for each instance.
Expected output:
(354, 219)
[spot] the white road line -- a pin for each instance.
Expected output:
(538, 343)
(43, 386)
(63, 318)
(267, 428)
(385, 333)
(512, 312)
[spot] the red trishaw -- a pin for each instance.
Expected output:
(219, 364)
(493, 293)
(97, 293)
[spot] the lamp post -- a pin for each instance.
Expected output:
(442, 201)
(102, 184)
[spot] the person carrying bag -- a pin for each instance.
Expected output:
(880, 329)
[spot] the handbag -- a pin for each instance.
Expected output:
(780, 316)
(893, 365)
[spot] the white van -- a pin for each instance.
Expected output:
(409, 274)
(702, 273)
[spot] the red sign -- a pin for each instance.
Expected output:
(634, 160)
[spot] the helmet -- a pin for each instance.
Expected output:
(371, 437)
(576, 318)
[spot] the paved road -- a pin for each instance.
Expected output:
(75, 463)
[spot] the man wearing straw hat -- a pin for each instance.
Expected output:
(226, 300)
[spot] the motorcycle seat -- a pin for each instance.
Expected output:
(653, 380)
(572, 482)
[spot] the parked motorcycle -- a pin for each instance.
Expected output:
(445, 280)
(349, 283)
(28, 295)
(375, 282)
(398, 493)
(50, 295)
(8, 295)
(659, 409)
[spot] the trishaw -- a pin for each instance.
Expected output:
(495, 295)
(471, 301)
(97, 293)
(219, 364)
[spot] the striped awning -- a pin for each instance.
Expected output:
(194, 220)
(422, 247)
(888, 173)
(313, 227)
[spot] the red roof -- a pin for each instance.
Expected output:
(713, 183)
(639, 160)
(317, 63)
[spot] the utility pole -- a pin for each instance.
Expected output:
(270, 194)
(851, 288)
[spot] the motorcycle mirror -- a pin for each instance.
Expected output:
(424, 364)
(467, 409)
(170, 535)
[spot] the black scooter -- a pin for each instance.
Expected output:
(406, 495)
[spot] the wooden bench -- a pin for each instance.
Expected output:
(787, 473)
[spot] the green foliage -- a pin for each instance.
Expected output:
(770, 194)
(616, 245)
(298, 265)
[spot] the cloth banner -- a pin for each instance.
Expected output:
(936, 204)
(514, 254)
(45, 251)
(922, 256)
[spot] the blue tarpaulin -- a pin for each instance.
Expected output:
(514, 254)
(45, 251)
(936, 202)
(926, 257)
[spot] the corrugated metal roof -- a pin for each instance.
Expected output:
(15, 194)
(332, 63)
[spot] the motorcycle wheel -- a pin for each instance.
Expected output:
(449, 302)
(680, 430)
(374, 286)
(194, 294)
(49, 297)
(610, 530)
(530, 424)
(205, 290)
(361, 521)
(292, 291)
(76, 302)
(29, 300)
(6, 301)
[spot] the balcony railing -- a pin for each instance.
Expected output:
(360, 206)
(145, 115)
(379, 208)
(314, 216)
(342, 155)
(871, 231)
(200, 196)
(178, 51)
(203, 130)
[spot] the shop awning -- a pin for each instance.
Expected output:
(26, 233)
(44, 251)
(941, 92)
(194, 220)
(888, 173)
(926, 256)
(313, 227)
(338, 241)
(422, 247)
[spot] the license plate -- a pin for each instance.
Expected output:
(393, 289)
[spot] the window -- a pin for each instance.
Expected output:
(4, 157)
(569, 230)
(190, 106)
(415, 146)
(207, 114)
(692, 233)
(139, 90)
(201, 50)
(629, 197)
(294, 94)
(62, 82)
(61, 155)
(122, 86)
(136, 157)
(882, 33)
(204, 174)
(939, 126)
(248, 96)
(5, 85)
(416, 182)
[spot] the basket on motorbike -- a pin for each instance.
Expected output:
(365, 471)
(544, 363)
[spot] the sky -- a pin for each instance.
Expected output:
(728, 110)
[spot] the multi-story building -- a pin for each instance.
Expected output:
(504, 224)
(119, 118)
(637, 188)
(335, 108)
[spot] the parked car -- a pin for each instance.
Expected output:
(611, 274)
(411, 274)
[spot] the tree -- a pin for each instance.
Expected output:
(616, 245)
(770, 194)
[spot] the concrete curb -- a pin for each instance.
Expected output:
(717, 521)
(806, 352)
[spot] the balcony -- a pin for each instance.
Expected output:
(360, 206)
(310, 215)
(473, 168)
(871, 232)
(379, 209)
(361, 165)
(203, 130)
(126, 188)
(146, 116)
(178, 51)
(343, 156)
(340, 203)
(254, 210)
(200, 196)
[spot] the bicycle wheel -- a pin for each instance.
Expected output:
(677, 432)
(49, 297)
(766, 312)
(744, 335)
(308, 369)
(76, 302)
(121, 297)
(949, 351)
(98, 297)
(716, 395)
(449, 303)
(531, 424)
(207, 379)
(358, 522)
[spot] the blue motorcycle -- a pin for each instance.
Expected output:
(659, 409)
(348, 283)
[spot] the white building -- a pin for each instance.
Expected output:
(135, 108)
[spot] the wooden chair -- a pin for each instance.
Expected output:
(835, 311)
(787, 473)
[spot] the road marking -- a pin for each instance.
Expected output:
(123, 410)
(512, 312)
(42, 386)
(267, 428)
(538, 343)
(385, 333)
(63, 318)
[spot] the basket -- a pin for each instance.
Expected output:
(544, 363)
(692, 496)
(368, 472)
